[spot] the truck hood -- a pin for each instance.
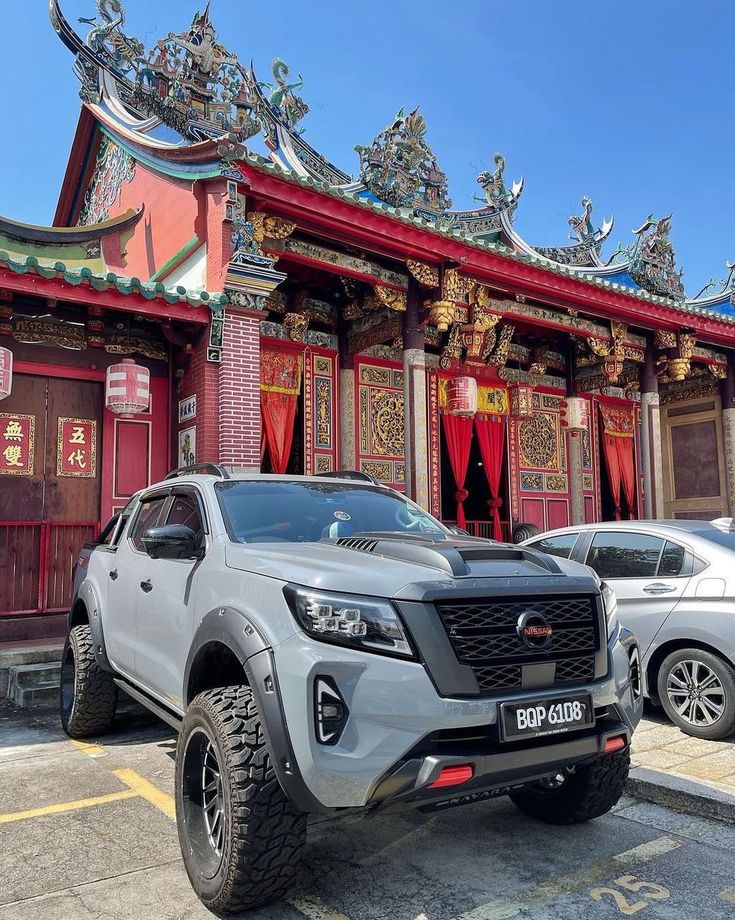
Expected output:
(388, 565)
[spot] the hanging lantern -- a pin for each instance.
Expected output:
(521, 400)
(575, 414)
(6, 372)
(462, 396)
(127, 388)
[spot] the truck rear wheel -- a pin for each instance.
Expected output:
(589, 792)
(241, 838)
(87, 694)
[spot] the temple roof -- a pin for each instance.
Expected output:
(189, 107)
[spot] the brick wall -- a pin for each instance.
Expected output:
(239, 390)
(202, 380)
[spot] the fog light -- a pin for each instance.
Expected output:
(330, 711)
(453, 776)
(615, 744)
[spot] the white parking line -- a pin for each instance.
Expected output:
(505, 909)
(314, 909)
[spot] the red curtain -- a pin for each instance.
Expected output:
(491, 438)
(458, 437)
(280, 384)
(617, 444)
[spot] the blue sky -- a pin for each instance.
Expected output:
(629, 102)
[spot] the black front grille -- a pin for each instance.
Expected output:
(484, 636)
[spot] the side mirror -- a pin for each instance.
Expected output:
(173, 541)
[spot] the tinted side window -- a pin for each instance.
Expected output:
(148, 516)
(105, 537)
(672, 560)
(557, 546)
(625, 555)
(185, 510)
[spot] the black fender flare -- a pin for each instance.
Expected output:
(87, 595)
(236, 630)
(229, 627)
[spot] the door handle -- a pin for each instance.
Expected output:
(113, 574)
(659, 588)
(147, 585)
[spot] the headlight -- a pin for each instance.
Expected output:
(368, 623)
(611, 608)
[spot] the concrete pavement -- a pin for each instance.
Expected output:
(86, 833)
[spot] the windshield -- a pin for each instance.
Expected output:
(262, 511)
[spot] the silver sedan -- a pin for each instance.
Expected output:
(675, 586)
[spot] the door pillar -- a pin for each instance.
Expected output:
(347, 454)
(414, 401)
(728, 430)
(651, 451)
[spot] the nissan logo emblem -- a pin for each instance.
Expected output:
(534, 630)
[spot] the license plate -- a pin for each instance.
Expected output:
(533, 718)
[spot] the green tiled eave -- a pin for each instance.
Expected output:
(124, 285)
(258, 162)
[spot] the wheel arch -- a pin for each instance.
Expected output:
(225, 639)
(674, 645)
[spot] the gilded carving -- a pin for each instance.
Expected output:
(532, 482)
(392, 298)
(556, 483)
(454, 285)
(538, 442)
(426, 275)
(269, 226)
(387, 423)
(499, 358)
(297, 325)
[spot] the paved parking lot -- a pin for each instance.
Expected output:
(86, 831)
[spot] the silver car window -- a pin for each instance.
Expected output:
(673, 561)
(561, 545)
(625, 554)
(148, 516)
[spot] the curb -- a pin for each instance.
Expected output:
(695, 797)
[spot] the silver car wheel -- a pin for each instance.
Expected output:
(213, 803)
(695, 692)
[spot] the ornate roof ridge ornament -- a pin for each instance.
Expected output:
(399, 167)
(652, 259)
(499, 204)
(587, 240)
(187, 81)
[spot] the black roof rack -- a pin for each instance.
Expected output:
(352, 474)
(213, 469)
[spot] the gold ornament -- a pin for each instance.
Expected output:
(269, 226)
(442, 313)
(426, 275)
(296, 324)
(392, 298)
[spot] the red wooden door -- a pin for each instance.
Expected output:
(49, 488)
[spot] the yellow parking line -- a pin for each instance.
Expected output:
(86, 747)
(66, 806)
(505, 909)
(146, 790)
(727, 895)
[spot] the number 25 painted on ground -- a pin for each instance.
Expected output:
(650, 890)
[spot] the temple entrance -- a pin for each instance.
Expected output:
(50, 429)
(479, 503)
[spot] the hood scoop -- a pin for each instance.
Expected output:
(457, 557)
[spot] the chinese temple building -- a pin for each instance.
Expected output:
(198, 301)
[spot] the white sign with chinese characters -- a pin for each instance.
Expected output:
(187, 409)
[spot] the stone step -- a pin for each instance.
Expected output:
(34, 684)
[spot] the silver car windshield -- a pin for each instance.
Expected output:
(261, 511)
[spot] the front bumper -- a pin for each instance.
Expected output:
(394, 709)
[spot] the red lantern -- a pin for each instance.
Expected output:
(575, 414)
(6, 372)
(127, 388)
(521, 400)
(462, 396)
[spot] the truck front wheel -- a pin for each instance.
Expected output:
(589, 792)
(241, 838)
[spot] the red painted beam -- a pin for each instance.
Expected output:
(56, 288)
(347, 222)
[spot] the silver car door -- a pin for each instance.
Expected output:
(647, 573)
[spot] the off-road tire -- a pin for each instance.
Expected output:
(87, 694)
(264, 833)
(724, 727)
(590, 792)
